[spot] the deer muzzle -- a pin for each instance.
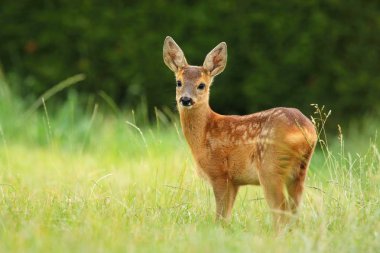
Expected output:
(186, 101)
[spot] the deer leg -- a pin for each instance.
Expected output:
(295, 190)
(274, 188)
(296, 186)
(225, 194)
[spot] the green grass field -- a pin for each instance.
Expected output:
(77, 179)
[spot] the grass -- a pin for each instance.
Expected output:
(82, 180)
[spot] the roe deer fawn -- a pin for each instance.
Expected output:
(271, 148)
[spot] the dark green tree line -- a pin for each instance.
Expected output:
(289, 53)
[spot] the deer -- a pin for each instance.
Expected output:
(271, 148)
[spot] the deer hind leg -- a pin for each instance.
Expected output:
(225, 194)
(274, 192)
(295, 190)
(295, 186)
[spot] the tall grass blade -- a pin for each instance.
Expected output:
(54, 90)
(49, 132)
(110, 102)
(140, 132)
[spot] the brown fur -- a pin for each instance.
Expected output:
(272, 148)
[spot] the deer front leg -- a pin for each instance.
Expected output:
(225, 193)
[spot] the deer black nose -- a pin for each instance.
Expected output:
(186, 101)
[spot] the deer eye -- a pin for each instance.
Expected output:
(179, 83)
(201, 86)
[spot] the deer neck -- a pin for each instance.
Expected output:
(194, 123)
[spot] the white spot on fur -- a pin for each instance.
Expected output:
(245, 136)
(241, 128)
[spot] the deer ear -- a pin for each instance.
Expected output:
(216, 60)
(174, 57)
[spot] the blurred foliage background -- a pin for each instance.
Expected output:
(291, 53)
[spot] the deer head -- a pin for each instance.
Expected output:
(193, 82)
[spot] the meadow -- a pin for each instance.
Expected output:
(90, 177)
